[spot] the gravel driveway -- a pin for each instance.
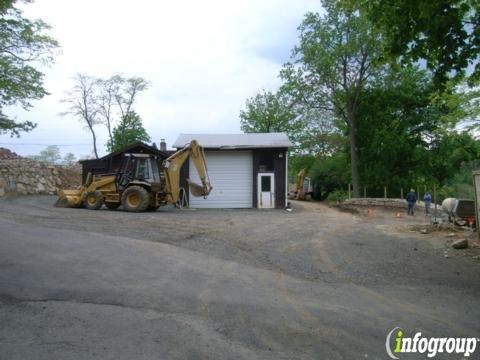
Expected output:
(314, 283)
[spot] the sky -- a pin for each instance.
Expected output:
(203, 59)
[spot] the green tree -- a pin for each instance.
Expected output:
(129, 89)
(69, 159)
(297, 162)
(395, 122)
(129, 131)
(321, 135)
(23, 44)
(271, 112)
(362, 117)
(332, 66)
(445, 33)
(407, 135)
(330, 173)
(311, 131)
(115, 97)
(49, 155)
(460, 185)
(407, 132)
(449, 150)
(266, 112)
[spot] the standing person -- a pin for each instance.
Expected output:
(411, 200)
(427, 199)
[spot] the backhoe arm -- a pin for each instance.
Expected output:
(174, 163)
(300, 179)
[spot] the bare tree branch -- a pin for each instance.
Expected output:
(83, 105)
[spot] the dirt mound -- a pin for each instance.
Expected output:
(351, 209)
(70, 177)
(6, 154)
(431, 228)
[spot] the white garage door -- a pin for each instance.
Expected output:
(231, 177)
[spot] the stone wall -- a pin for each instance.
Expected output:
(391, 203)
(27, 177)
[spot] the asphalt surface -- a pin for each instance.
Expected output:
(314, 283)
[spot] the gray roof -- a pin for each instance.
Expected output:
(235, 141)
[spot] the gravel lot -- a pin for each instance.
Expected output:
(315, 283)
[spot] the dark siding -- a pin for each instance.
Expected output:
(94, 166)
(256, 164)
(279, 169)
(111, 162)
(101, 166)
(280, 172)
(184, 175)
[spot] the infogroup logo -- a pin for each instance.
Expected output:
(397, 343)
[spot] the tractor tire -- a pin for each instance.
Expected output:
(112, 206)
(135, 199)
(93, 200)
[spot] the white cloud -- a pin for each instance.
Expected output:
(203, 59)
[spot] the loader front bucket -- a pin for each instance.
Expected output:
(69, 198)
(199, 190)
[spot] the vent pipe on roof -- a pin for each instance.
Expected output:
(163, 145)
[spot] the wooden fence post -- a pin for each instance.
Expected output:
(384, 192)
(401, 193)
(349, 190)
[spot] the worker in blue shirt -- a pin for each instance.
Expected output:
(427, 199)
(411, 200)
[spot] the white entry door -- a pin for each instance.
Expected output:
(266, 191)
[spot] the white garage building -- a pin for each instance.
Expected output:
(246, 170)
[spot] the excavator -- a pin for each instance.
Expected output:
(142, 183)
(303, 187)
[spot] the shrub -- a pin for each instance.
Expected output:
(337, 195)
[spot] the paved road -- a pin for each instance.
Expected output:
(311, 284)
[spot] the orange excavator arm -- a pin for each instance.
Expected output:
(301, 179)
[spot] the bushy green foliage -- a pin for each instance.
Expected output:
(69, 159)
(444, 33)
(332, 65)
(366, 121)
(450, 151)
(330, 174)
(96, 101)
(49, 155)
(337, 195)
(297, 163)
(269, 112)
(23, 45)
(129, 131)
(405, 137)
(460, 185)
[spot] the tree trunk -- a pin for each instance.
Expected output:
(109, 127)
(354, 158)
(94, 142)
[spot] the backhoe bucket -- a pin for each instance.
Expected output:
(69, 198)
(199, 190)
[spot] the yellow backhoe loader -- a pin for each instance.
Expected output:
(303, 187)
(141, 183)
